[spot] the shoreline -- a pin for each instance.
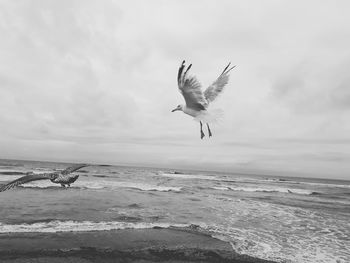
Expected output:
(127, 245)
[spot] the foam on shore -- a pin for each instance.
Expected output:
(79, 226)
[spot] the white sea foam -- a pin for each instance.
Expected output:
(79, 226)
(224, 188)
(189, 176)
(146, 187)
(105, 184)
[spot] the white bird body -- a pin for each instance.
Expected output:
(192, 112)
(197, 102)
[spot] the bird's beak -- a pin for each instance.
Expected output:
(174, 110)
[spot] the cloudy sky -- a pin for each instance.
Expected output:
(95, 81)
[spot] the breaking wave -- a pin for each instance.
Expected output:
(105, 184)
(189, 176)
(79, 226)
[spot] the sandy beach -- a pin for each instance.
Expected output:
(128, 245)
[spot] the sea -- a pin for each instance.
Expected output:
(285, 219)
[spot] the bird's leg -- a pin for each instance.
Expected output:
(209, 131)
(202, 133)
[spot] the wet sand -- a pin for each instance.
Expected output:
(128, 245)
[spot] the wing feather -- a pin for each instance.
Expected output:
(218, 85)
(190, 88)
(73, 168)
(26, 179)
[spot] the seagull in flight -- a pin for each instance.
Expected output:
(60, 177)
(197, 102)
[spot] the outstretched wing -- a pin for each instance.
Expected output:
(26, 179)
(73, 168)
(190, 88)
(218, 85)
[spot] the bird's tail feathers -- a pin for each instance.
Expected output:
(210, 116)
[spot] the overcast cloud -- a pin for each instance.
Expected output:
(95, 81)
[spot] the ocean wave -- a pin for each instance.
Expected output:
(144, 186)
(104, 184)
(323, 184)
(11, 173)
(327, 184)
(227, 179)
(43, 168)
(80, 226)
(277, 181)
(280, 180)
(100, 175)
(9, 164)
(188, 176)
(260, 189)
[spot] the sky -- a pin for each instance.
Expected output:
(95, 81)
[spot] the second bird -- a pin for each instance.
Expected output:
(64, 177)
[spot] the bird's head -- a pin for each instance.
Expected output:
(179, 107)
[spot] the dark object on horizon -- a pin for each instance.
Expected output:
(197, 101)
(60, 177)
(178, 172)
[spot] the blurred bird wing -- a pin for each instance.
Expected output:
(218, 85)
(190, 89)
(26, 179)
(73, 168)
